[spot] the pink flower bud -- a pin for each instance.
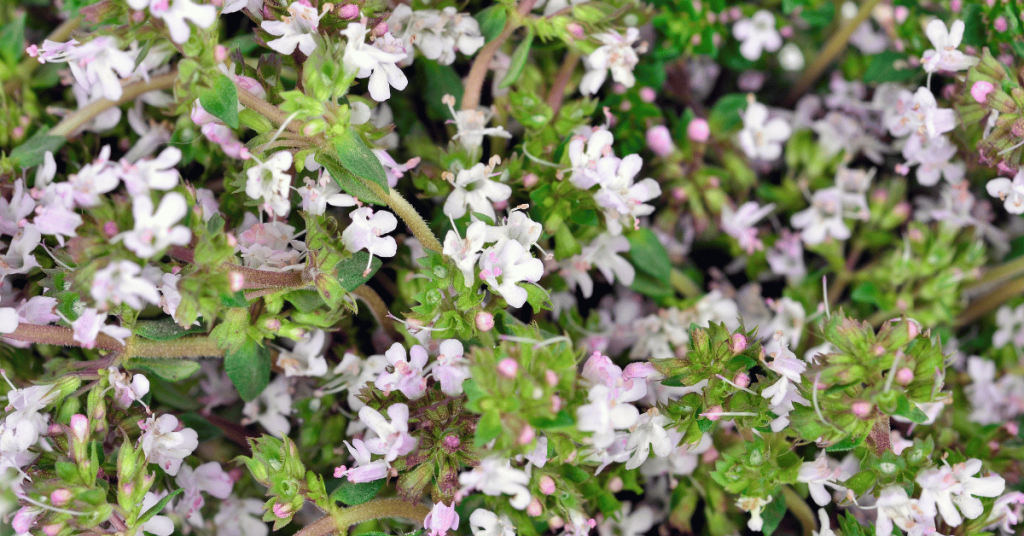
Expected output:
(272, 324)
(698, 130)
(913, 330)
(710, 456)
(80, 427)
(530, 180)
(547, 485)
(484, 321)
(615, 485)
(526, 435)
(904, 376)
(980, 91)
(53, 529)
(713, 413)
(110, 229)
(556, 403)
(380, 29)
(451, 442)
(902, 12)
(648, 94)
(348, 11)
(679, 194)
(786, 31)
(282, 511)
(535, 509)
(575, 30)
(742, 379)
(556, 523)
(659, 140)
(737, 343)
(236, 281)
(861, 409)
(551, 377)
(60, 497)
(232, 241)
(508, 367)
(220, 53)
(1012, 428)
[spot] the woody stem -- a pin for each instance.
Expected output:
(75, 121)
(478, 72)
(383, 508)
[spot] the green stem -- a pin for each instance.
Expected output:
(383, 508)
(380, 309)
(412, 219)
(799, 508)
(183, 348)
(76, 120)
(835, 46)
(267, 110)
(999, 273)
(683, 284)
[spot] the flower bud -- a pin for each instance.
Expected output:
(713, 413)
(79, 427)
(348, 11)
(535, 509)
(648, 94)
(556, 523)
(220, 53)
(861, 409)
(615, 485)
(237, 281)
(575, 30)
(282, 511)
(551, 377)
(1000, 24)
(980, 91)
(659, 140)
(484, 321)
(53, 529)
(698, 130)
(60, 497)
(547, 485)
(526, 435)
(508, 367)
(904, 376)
(737, 343)
(741, 379)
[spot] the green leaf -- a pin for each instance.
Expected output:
(820, 17)
(439, 80)
(861, 482)
(488, 428)
(909, 410)
(519, 57)
(164, 329)
(649, 256)
(537, 297)
(561, 420)
(492, 21)
(233, 300)
(726, 114)
(773, 513)
(866, 292)
(352, 493)
(12, 40)
(350, 271)
(221, 101)
(30, 153)
(201, 425)
(306, 301)
(348, 182)
(848, 443)
(882, 68)
(249, 368)
(356, 157)
(172, 370)
(156, 508)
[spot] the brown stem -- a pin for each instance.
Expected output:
(75, 121)
(380, 309)
(482, 62)
(557, 93)
(830, 52)
(989, 302)
(252, 278)
(185, 347)
(384, 508)
(60, 336)
(267, 110)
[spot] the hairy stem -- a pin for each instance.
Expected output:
(76, 120)
(383, 508)
(478, 72)
(252, 278)
(412, 219)
(380, 309)
(58, 335)
(557, 93)
(835, 46)
(185, 347)
(267, 110)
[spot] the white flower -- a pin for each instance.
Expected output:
(945, 56)
(919, 113)
(270, 246)
(450, 369)
(13, 212)
(602, 253)
(240, 517)
(98, 66)
(271, 408)
(934, 160)
(649, 432)
(471, 125)
(437, 34)
(319, 193)
(790, 368)
(630, 522)
(154, 231)
(741, 224)
(974, 487)
(393, 439)
(8, 319)
(271, 182)
(825, 528)
(152, 174)
(615, 54)
(620, 197)
(94, 180)
(158, 524)
(758, 34)
(209, 478)
(127, 389)
(164, 444)
(90, 324)
(174, 13)
(119, 282)
(406, 375)
(473, 189)
(19, 258)
(495, 476)
(517, 226)
(487, 523)
(603, 415)
(375, 61)
(513, 264)
(1011, 193)
(760, 138)
(823, 219)
(441, 519)
(817, 475)
(466, 251)
(754, 505)
(297, 29)
(306, 358)
(584, 162)
(367, 232)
